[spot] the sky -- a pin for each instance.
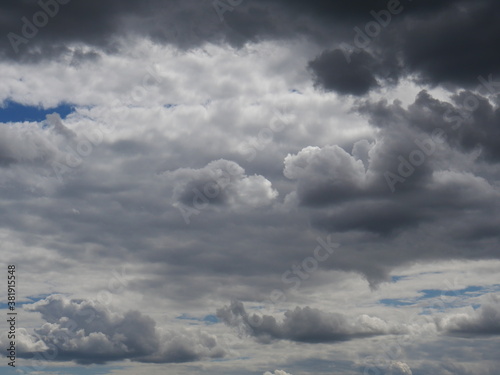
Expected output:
(251, 187)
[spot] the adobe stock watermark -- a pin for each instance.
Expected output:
(81, 149)
(428, 146)
(372, 29)
(293, 278)
(222, 7)
(84, 147)
(265, 136)
(30, 28)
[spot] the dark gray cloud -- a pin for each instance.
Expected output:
(306, 325)
(48, 28)
(345, 197)
(399, 179)
(452, 44)
(355, 72)
(455, 45)
(470, 122)
(359, 9)
(429, 37)
(333, 72)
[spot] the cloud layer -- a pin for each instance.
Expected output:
(202, 152)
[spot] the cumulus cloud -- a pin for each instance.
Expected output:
(221, 182)
(325, 175)
(185, 346)
(331, 177)
(380, 185)
(87, 332)
(337, 187)
(484, 321)
(306, 325)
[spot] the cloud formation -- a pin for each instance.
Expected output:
(209, 148)
(482, 322)
(306, 325)
(87, 332)
(394, 29)
(221, 182)
(333, 72)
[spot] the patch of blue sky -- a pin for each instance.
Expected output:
(14, 112)
(26, 301)
(207, 319)
(492, 288)
(211, 319)
(447, 298)
(395, 279)
(469, 291)
(396, 302)
(229, 359)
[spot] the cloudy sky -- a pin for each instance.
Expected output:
(245, 187)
